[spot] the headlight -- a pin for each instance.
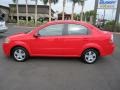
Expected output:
(7, 40)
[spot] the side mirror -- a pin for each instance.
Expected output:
(36, 35)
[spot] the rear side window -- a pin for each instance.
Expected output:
(75, 29)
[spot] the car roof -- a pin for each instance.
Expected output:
(65, 21)
(70, 22)
(88, 25)
(74, 22)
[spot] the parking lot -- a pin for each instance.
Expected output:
(59, 73)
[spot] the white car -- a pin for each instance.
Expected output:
(3, 27)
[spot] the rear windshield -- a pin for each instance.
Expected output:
(1, 19)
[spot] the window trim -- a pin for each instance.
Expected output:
(64, 26)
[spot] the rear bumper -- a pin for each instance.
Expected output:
(3, 29)
(108, 50)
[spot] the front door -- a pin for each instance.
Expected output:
(50, 41)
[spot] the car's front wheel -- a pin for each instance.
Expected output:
(90, 56)
(20, 54)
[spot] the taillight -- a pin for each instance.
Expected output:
(112, 38)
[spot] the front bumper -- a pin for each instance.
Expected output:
(6, 49)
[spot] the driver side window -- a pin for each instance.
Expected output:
(52, 30)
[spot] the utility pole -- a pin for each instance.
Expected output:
(95, 9)
(36, 12)
(117, 17)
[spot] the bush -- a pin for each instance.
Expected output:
(22, 22)
(111, 26)
(39, 23)
(31, 23)
(12, 21)
(117, 27)
(45, 22)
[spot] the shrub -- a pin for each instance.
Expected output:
(12, 21)
(31, 23)
(45, 22)
(39, 23)
(22, 22)
(117, 27)
(111, 26)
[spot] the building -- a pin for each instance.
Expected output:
(66, 16)
(4, 12)
(42, 11)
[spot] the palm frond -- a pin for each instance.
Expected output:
(44, 1)
(14, 1)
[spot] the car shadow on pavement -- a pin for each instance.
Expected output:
(64, 59)
(67, 59)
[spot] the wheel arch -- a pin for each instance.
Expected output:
(19, 46)
(96, 47)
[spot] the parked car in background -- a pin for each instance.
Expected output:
(61, 38)
(3, 27)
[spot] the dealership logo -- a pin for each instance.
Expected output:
(107, 2)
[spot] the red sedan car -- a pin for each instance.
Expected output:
(61, 38)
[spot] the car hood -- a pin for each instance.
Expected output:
(17, 36)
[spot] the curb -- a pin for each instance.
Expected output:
(23, 26)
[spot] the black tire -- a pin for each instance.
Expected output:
(24, 54)
(90, 59)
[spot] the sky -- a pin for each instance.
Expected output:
(58, 6)
(89, 5)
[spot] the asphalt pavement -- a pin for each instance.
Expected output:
(59, 73)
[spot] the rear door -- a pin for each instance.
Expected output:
(75, 38)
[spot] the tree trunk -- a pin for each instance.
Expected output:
(36, 12)
(26, 12)
(72, 15)
(64, 3)
(95, 10)
(11, 16)
(49, 10)
(82, 13)
(117, 17)
(17, 12)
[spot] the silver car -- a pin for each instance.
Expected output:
(3, 27)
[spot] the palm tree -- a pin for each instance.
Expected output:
(82, 2)
(12, 11)
(63, 12)
(26, 12)
(50, 2)
(16, 1)
(95, 9)
(73, 7)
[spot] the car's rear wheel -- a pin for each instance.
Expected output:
(19, 54)
(90, 56)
